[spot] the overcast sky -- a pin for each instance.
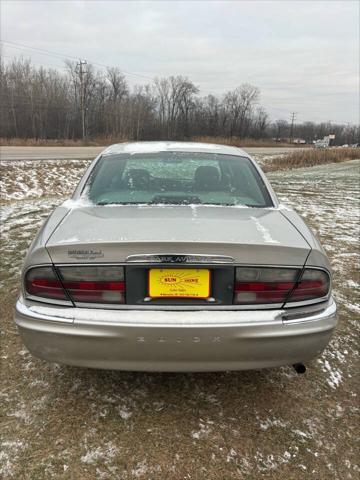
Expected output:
(303, 55)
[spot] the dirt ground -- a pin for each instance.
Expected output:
(71, 423)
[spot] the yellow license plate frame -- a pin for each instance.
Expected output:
(179, 283)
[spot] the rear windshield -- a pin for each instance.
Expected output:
(176, 178)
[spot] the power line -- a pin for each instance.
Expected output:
(60, 67)
(49, 53)
(64, 56)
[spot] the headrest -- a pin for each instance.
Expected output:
(207, 178)
(137, 178)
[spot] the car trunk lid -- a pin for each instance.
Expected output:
(259, 236)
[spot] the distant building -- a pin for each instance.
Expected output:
(324, 142)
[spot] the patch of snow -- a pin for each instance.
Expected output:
(269, 423)
(156, 317)
(9, 455)
(22, 414)
(92, 456)
(154, 147)
(105, 454)
(353, 307)
(302, 434)
(203, 431)
(335, 376)
(231, 455)
(79, 203)
(263, 231)
(124, 413)
(68, 240)
(266, 463)
(352, 284)
(140, 469)
(282, 206)
(193, 206)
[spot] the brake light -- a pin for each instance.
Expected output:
(263, 285)
(313, 284)
(94, 284)
(43, 282)
(88, 284)
(278, 285)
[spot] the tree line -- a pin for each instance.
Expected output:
(83, 102)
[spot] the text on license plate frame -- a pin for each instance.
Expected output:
(179, 283)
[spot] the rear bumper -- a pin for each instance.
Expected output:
(152, 340)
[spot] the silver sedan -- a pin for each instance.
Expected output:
(175, 257)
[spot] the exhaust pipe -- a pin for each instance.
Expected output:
(299, 368)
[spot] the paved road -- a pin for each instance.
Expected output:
(48, 153)
(57, 153)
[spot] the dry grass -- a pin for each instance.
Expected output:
(311, 157)
(108, 140)
(62, 142)
(244, 142)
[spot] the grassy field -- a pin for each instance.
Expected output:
(311, 158)
(100, 141)
(72, 423)
(246, 142)
(62, 142)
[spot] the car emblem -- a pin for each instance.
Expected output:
(179, 340)
(85, 254)
(178, 258)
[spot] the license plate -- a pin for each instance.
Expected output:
(179, 282)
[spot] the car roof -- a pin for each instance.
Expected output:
(153, 147)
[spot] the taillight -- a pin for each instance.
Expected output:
(313, 284)
(278, 285)
(43, 282)
(88, 284)
(94, 284)
(263, 285)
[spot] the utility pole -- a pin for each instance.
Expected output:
(82, 72)
(293, 115)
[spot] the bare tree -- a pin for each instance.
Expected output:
(260, 123)
(238, 104)
(281, 129)
(175, 96)
(119, 91)
(47, 103)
